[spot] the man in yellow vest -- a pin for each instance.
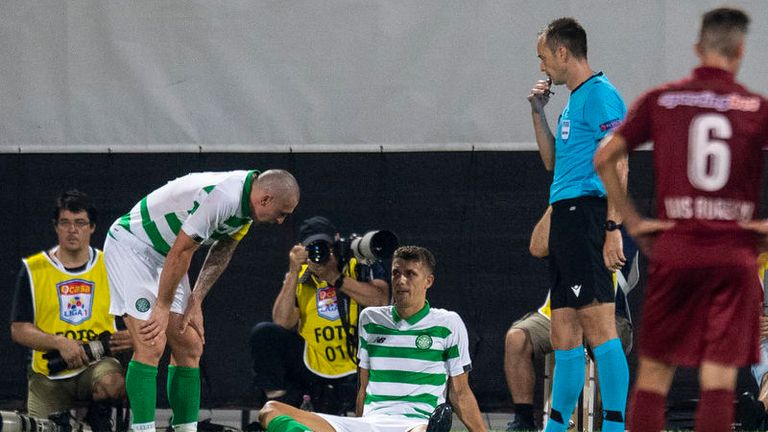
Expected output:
(313, 336)
(61, 303)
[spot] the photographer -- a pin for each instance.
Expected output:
(61, 301)
(312, 341)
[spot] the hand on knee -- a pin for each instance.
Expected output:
(149, 354)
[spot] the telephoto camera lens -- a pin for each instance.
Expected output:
(16, 422)
(375, 245)
(95, 350)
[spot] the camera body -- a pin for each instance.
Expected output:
(95, 350)
(367, 248)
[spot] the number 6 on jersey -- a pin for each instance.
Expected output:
(709, 157)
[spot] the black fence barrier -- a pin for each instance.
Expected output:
(475, 210)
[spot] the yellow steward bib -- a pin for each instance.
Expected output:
(325, 341)
(75, 305)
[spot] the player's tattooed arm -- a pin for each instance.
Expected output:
(216, 261)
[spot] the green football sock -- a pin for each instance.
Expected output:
(184, 394)
(141, 387)
(285, 423)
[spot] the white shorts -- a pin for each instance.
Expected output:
(373, 423)
(133, 268)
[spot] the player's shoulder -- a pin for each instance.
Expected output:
(445, 315)
(235, 178)
(752, 99)
(654, 93)
(226, 185)
(376, 314)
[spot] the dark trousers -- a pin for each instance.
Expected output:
(278, 364)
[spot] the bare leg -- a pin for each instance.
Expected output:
(566, 329)
(654, 376)
(599, 323)
(186, 348)
(518, 366)
(144, 352)
(313, 421)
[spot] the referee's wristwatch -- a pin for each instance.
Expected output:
(612, 225)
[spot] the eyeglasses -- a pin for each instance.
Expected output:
(79, 223)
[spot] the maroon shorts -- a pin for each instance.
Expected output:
(696, 314)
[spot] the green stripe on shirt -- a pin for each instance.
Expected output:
(396, 376)
(424, 398)
(173, 222)
(452, 352)
(236, 222)
(125, 221)
(158, 242)
(426, 413)
(405, 352)
(437, 331)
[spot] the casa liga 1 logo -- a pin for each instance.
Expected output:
(75, 300)
(327, 306)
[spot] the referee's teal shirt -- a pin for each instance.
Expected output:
(594, 108)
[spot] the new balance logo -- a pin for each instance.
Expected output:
(380, 340)
(576, 289)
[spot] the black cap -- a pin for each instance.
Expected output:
(317, 228)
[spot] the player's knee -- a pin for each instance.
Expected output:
(271, 410)
(188, 353)
(109, 387)
(149, 354)
(717, 376)
(515, 343)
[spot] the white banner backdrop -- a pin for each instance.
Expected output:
(330, 75)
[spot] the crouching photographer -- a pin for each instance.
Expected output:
(61, 312)
(310, 347)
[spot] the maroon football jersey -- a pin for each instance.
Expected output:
(708, 133)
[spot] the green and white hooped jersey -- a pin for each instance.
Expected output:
(409, 360)
(207, 206)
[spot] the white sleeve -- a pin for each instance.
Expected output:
(214, 209)
(458, 347)
(362, 351)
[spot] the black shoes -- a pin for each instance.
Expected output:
(99, 417)
(751, 413)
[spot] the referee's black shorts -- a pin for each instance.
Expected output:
(576, 237)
